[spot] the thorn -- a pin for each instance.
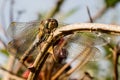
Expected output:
(88, 10)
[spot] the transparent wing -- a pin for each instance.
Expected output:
(98, 38)
(23, 34)
(78, 43)
(25, 28)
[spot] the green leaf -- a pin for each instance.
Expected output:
(4, 51)
(111, 3)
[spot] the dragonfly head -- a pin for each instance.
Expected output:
(50, 24)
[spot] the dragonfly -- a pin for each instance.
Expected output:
(20, 35)
(26, 36)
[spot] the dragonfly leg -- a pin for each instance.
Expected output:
(51, 51)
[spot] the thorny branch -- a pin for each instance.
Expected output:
(99, 14)
(87, 27)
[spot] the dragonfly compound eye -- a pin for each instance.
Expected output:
(51, 24)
